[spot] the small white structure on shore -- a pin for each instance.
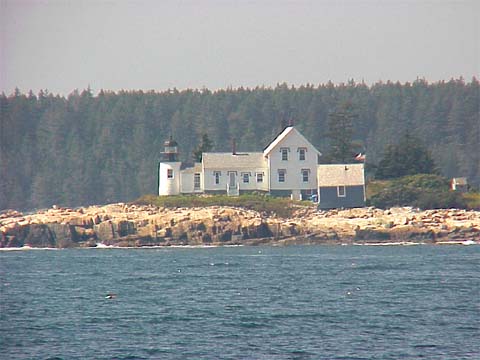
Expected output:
(459, 184)
(288, 166)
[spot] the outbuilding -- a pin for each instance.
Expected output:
(341, 186)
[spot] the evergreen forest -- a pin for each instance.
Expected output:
(92, 149)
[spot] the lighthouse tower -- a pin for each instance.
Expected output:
(169, 170)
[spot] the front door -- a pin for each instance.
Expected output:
(232, 179)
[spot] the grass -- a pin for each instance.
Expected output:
(282, 207)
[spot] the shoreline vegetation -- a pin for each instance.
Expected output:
(223, 221)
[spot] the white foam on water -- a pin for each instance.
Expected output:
(27, 247)
(465, 242)
(103, 246)
(401, 243)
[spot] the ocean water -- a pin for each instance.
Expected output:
(299, 302)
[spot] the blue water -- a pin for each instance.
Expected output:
(316, 302)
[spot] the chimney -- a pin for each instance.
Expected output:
(234, 147)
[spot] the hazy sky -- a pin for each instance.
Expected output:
(63, 45)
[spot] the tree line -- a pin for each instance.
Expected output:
(89, 149)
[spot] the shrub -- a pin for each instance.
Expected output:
(421, 190)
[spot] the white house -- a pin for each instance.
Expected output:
(288, 166)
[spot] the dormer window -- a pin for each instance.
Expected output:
(301, 153)
(284, 152)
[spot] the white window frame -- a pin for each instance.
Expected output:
(260, 177)
(197, 176)
(216, 175)
(284, 151)
(170, 174)
(245, 176)
(302, 151)
(282, 173)
(303, 172)
(340, 193)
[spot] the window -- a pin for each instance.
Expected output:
(284, 152)
(196, 181)
(169, 173)
(305, 173)
(301, 154)
(246, 177)
(217, 174)
(281, 175)
(341, 191)
(259, 177)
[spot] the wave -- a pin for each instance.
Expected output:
(104, 246)
(464, 242)
(26, 247)
(398, 243)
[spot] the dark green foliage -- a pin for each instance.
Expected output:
(408, 157)
(90, 149)
(205, 146)
(340, 131)
(422, 191)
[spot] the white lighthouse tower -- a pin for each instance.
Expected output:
(169, 170)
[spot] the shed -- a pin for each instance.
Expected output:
(459, 184)
(341, 186)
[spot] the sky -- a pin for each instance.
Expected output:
(62, 45)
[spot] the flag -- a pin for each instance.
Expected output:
(360, 157)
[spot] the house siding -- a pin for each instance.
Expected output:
(293, 166)
(209, 179)
(329, 199)
(281, 193)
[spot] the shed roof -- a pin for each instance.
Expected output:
(252, 160)
(340, 175)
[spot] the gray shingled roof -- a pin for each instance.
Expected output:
(340, 174)
(253, 160)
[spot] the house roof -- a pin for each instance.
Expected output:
(252, 160)
(340, 174)
(283, 135)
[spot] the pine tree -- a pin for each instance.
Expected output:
(205, 146)
(408, 157)
(340, 131)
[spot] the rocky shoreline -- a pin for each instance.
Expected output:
(126, 225)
